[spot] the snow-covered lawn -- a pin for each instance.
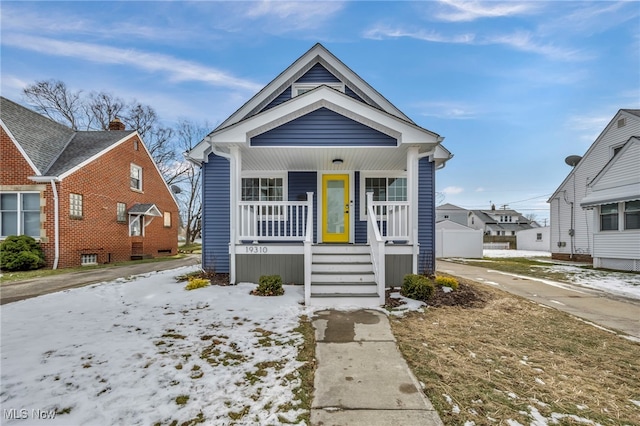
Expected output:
(621, 283)
(147, 351)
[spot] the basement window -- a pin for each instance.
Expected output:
(88, 259)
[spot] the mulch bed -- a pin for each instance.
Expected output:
(466, 296)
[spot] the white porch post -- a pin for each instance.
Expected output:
(412, 182)
(235, 167)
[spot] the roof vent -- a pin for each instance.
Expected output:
(622, 122)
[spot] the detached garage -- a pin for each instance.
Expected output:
(455, 240)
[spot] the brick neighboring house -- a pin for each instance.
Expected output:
(88, 196)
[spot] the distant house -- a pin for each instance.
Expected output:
(502, 222)
(89, 197)
(453, 213)
(534, 239)
(320, 179)
(595, 212)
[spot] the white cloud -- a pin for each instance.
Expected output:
(293, 15)
(447, 110)
(480, 189)
(382, 32)
(177, 69)
(523, 41)
(452, 190)
(464, 11)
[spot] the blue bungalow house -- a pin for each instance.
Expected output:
(320, 179)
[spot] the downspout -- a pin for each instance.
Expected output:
(56, 224)
(56, 213)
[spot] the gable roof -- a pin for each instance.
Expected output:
(607, 188)
(449, 206)
(632, 113)
(52, 148)
(317, 54)
(38, 137)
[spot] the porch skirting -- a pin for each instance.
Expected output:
(290, 266)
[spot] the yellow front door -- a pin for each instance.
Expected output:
(335, 208)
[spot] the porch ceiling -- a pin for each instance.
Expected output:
(301, 159)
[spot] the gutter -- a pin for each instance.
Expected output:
(56, 213)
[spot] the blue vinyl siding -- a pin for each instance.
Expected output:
(282, 97)
(360, 226)
(426, 216)
(323, 127)
(299, 184)
(318, 74)
(353, 94)
(215, 214)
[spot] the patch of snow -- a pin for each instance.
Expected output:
(540, 381)
(635, 402)
(512, 395)
(122, 352)
(514, 423)
(582, 407)
(469, 423)
(447, 289)
(409, 305)
(621, 283)
(515, 253)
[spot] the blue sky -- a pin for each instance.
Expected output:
(514, 87)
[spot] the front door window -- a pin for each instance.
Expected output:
(335, 202)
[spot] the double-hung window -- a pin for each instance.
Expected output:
(20, 214)
(609, 217)
(121, 212)
(384, 188)
(136, 177)
(261, 189)
(632, 215)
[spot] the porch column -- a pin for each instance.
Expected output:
(235, 167)
(412, 197)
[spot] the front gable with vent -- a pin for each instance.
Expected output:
(270, 172)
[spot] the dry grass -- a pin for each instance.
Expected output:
(497, 361)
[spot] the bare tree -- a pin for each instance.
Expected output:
(104, 108)
(531, 217)
(53, 99)
(190, 182)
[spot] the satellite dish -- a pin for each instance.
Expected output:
(573, 160)
(176, 189)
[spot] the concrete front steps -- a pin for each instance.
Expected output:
(342, 275)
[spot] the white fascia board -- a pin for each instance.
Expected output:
(19, 148)
(317, 53)
(323, 96)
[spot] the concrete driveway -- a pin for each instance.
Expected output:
(26, 289)
(607, 310)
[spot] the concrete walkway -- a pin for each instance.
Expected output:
(604, 309)
(26, 289)
(361, 378)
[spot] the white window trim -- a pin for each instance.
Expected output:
(620, 219)
(164, 219)
(132, 166)
(20, 216)
(376, 174)
(296, 87)
(267, 175)
(82, 258)
(71, 207)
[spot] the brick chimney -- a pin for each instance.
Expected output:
(116, 124)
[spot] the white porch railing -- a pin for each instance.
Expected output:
(308, 254)
(274, 220)
(377, 244)
(392, 218)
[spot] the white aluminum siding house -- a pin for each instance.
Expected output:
(321, 180)
(575, 209)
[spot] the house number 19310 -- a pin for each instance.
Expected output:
(255, 249)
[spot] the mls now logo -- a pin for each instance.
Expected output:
(22, 414)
